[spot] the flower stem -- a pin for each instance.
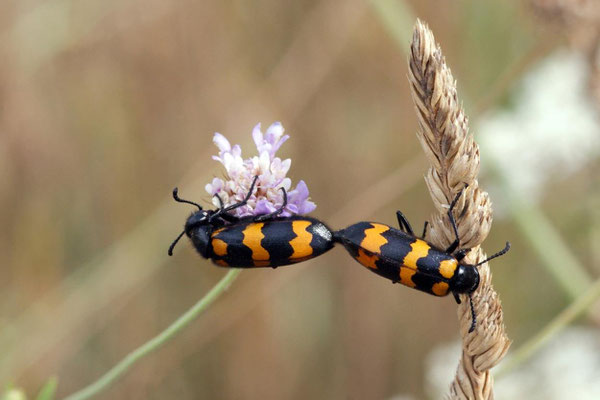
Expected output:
(153, 344)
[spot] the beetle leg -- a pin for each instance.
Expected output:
(424, 229)
(456, 297)
(456, 242)
(243, 202)
(274, 213)
(404, 224)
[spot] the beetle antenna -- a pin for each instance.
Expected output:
(498, 254)
(172, 246)
(180, 200)
(473, 316)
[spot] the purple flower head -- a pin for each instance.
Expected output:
(272, 139)
(267, 196)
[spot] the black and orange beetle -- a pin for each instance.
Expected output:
(255, 241)
(398, 255)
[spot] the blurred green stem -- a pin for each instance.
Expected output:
(115, 373)
(398, 18)
(574, 310)
(544, 239)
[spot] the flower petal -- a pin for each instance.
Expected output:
(263, 206)
(257, 135)
(264, 162)
(285, 165)
(292, 208)
(286, 183)
(221, 142)
(214, 187)
(306, 207)
(274, 132)
(300, 191)
(236, 151)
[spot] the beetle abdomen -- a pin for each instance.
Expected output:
(271, 243)
(399, 257)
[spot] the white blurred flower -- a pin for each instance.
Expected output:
(13, 394)
(267, 196)
(566, 368)
(552, 131)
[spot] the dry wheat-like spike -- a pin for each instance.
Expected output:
(454, 157)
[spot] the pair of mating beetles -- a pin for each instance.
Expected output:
(271, 241)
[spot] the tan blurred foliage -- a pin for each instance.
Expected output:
(105, 106)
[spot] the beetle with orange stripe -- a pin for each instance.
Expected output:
(398, 255)
(256, 241)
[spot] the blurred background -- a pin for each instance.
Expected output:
(105, 106)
